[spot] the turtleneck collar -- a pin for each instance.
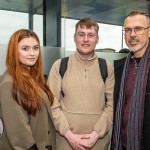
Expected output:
(80, 58)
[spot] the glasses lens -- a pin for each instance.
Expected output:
(127, 31)
(139, 30)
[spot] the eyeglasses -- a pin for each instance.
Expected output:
(137, 30)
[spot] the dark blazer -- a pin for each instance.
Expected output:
(118, 70)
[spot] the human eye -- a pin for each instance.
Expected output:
(80, 34)
(127, 30)
(26, 48)
(36, 48)
(91, 35)
(138, 28)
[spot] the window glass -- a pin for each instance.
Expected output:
(110, 36)
(10, 22)
(38, 27)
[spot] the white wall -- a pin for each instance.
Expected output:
(2, 58)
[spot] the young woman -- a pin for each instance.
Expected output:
(25, 99)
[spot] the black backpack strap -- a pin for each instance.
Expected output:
(33, 147)
(63, 66)
(103, 68)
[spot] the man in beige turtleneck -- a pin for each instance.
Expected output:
(82, 116)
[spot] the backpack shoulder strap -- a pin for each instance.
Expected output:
(63, 66)
(103, 68)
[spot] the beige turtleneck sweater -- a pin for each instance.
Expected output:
(83, 107)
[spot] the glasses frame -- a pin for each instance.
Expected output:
(134, 29)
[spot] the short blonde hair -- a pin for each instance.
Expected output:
(88, 22)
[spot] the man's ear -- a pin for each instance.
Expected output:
(149, 32)
(97, 38)
(75, 38)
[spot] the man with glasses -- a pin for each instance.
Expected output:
(131, 128)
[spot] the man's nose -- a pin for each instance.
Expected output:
(133, 33)
(86, 38)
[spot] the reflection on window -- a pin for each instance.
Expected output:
(38, 27)
(10, 22)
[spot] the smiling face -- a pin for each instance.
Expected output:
(137, 43)
(86, 40)
(28, 51)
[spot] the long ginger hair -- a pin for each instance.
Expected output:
(27, 84)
